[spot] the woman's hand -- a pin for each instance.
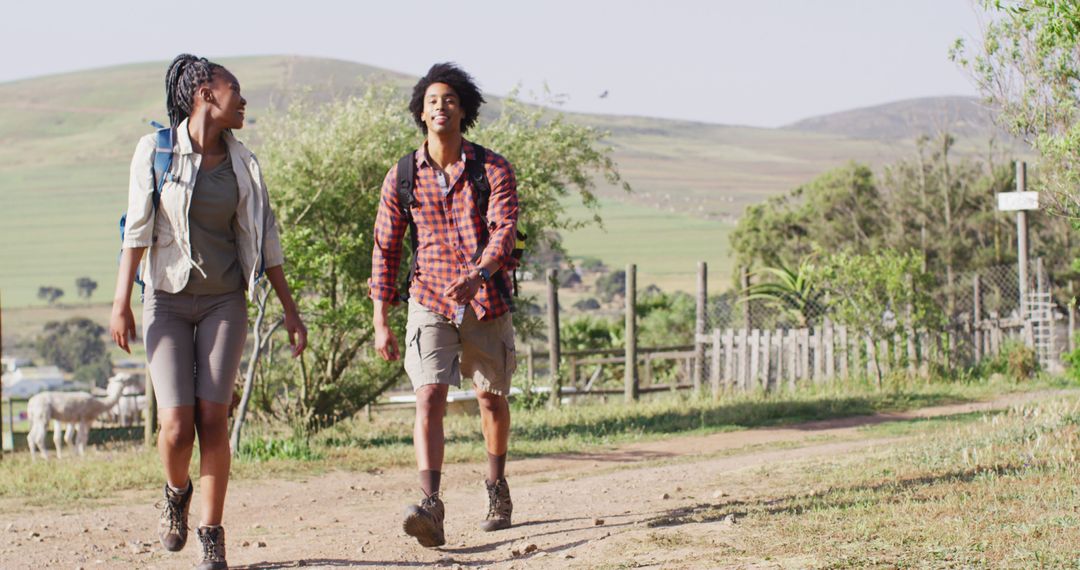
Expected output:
(122, 325)
(297, 332)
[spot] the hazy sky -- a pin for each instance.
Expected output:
(755, 62)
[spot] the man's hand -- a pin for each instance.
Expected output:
(385, 343)
(464, 288)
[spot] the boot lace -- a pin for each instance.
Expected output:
(174, 511)
(210, 539)
(493, 500)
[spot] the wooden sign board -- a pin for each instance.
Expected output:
(1015, 201)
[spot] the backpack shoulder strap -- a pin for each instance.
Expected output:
(406, 181)
(163, 157)
(478, 177)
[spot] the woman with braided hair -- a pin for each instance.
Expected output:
(209, 237)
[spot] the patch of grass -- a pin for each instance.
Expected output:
(991, 490)
(387, 441)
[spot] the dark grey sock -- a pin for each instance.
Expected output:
(429, 481)
(496, 467)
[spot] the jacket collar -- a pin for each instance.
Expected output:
(183, 141)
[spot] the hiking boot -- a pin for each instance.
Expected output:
(500, 507)
(212, 539)
(425, 521)
(173, 524)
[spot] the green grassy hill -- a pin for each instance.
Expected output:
(66, 142)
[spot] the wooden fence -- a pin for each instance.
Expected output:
(771, 359)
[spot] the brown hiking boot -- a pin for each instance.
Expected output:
(212, 539)
(173, 524)
(425, 521)
(500, 507)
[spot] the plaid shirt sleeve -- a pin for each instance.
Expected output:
(390, 228)
(502, 211)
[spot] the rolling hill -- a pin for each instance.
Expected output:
(66, 141)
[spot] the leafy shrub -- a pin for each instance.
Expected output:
(1016, 360)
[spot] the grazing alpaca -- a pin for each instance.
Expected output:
(77, 409)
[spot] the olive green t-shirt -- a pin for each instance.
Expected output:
(212, 218)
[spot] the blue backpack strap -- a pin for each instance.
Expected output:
(163, 156)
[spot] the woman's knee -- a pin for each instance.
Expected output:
(176, 432)
(211, 418)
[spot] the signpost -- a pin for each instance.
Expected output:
(1020, 202)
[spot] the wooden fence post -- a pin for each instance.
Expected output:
(976, 316)
(844, 352)
(755, 359)
(766, 357)
(742, 360)
(631, 378)
(744, 282)
(830, 351)
(553, 337)
(1071, 307)
(700, 326)
(729, 357)
(714, 373)
(530, 368)
(2, 386)
(778, 340)
(150, 419)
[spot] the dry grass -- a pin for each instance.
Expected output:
(980, 491)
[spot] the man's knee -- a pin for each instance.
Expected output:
(431, 400)
(491, 403)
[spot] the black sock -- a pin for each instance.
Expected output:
(429, 481)
(496, 467)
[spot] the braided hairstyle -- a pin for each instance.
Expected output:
(186, 74)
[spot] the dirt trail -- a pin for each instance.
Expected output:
(352, 520)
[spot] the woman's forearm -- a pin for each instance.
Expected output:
(125, 278)
(276, 276)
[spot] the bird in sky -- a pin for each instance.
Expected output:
(604, 94)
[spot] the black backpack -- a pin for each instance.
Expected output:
(474, 168)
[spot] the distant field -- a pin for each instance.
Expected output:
(66, 141)
(665, 246)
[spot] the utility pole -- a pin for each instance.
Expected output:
(1020, 202)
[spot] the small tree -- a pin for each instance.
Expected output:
(879, 294)
(1027, 66)
(76, 345)
(49, 294)
(793, 291)
(325, 168)
(85, 287)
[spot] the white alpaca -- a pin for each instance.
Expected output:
(77, 409)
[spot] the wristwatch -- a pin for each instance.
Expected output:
(484, 274)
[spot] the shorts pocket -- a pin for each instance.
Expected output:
(413, 358)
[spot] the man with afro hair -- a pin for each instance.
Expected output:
(459, 321)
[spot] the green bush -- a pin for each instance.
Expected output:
(1016, 360)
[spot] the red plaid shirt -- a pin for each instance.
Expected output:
(449, 229)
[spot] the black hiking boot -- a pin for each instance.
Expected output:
(500, 507)
(173, 524)
(425, 521)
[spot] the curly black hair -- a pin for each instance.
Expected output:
(461, 82)
(186, 73)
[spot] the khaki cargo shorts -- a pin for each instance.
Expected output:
(439, 352)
